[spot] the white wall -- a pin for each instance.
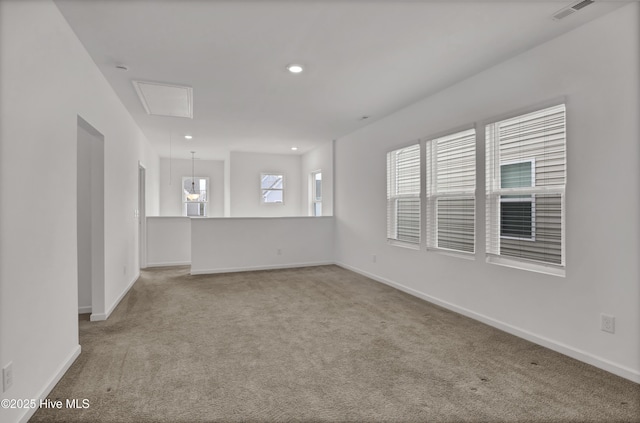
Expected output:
(84, 186)
(238, 244)
(320, 158)
(171, 174)
(47, 80)
(168, 241)
(596, 68)
(242, 188)
(90, 212)
(245, 170)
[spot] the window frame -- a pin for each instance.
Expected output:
(186, 201)
(315, 200)
(434, 194)
(282, 190)
(393, 197)
(493, 192)
(531, 160)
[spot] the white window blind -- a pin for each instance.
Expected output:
(526, 172)
(451, 186)
(403, 195)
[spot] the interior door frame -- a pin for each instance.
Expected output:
(142, 216)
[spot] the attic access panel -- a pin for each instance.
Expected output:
(165, 99)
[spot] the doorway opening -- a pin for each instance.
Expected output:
(142, 216)
(90, 220)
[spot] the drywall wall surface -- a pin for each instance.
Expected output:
(150, 160)
(320, 158)
(227, 185)
(168, 241)
(238, 244)
(171, 173)
(84, 197)
(595, 69)
(245, 170)
(48, 80)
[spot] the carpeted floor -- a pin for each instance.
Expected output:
(318, 344)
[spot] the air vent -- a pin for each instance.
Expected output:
(165, 99)
(582, 4)
(563, 13)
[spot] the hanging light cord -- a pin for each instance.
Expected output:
(193, 173)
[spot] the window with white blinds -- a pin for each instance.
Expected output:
(403, 195)
(526, 173)
(451, 190)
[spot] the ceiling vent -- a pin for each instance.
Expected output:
(165, 99)
(569, 10)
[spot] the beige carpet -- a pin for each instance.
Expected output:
(318, 344)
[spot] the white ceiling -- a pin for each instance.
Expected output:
(362, 58)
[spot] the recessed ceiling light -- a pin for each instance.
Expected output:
(188, 137)
(294, 148)
(295, 68)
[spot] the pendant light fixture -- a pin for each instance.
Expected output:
(193, 196)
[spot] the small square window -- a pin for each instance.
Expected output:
(272, 188)
(518, 212)
(517, 175)
(517, 219)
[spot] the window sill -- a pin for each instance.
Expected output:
(453, 253)
(547, 269)
(403, 244)
(518, 239)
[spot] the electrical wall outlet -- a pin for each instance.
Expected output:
(279, 252)
(374, 258)
(608, 323)
(7, 377)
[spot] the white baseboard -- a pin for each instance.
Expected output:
(567, 350)
(52, 383)
(168, 263)
(84, 309)
(253, 268)
(96, 317)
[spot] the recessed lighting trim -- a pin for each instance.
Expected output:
(294, 148)
(295, 68)
(188, 137)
